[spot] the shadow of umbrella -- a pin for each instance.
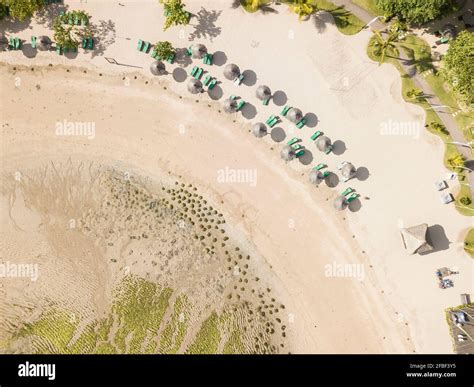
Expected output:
(180, 74)
(311, 120)
(249, 111)
(219, 58)
(307, 158)
(355, 205)
(362, 173)
(339, 147)
(250, 78)
(278, 134)
(279, 98)
(332, 180)
(215, 93)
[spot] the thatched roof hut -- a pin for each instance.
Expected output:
(194, 86)
(230, 105)
(415, 239)
(158, 68)
(287, 153)
(231, 71)
(259, 129)
(43, 43)
(294, 115)
(340, 203)
(323, 143)
(263, 92)
(315, 177)
(348, 171)
(198, 51)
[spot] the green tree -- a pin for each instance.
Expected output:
(164, 49)
(69, 36)
(456, 162)
(21, 9)
(302, 8)
(415, 11)
(437, 127)
(175, 13)
(384, 46)
(414, 93)
(458, 65)
(465, 200)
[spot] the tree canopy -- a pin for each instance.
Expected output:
(458, 65)
(21, 9)
(175, 13)
(415, 11)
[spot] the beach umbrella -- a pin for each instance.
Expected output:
(259, 129)
(263, 92)
(287, 153)
(43, 43)
(340, 203)
(415, 239)
(295, 115)
(230, 105)
(194, 86)
(157, 68)
(323, 143)
(198, 51)
(315, 177)
(3, 43)
(231, 71)
(348, 171)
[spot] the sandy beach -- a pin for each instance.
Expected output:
(153, 128)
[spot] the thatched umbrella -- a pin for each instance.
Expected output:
(295, 115)
(231, 71)
(43, 43)
(348, 171)
(230, 105)
(315, 177)
(259, 129)
(323, 143)
(287, 153)
(157, 68)
(340, 203)
(194, 86)
(3, 43)
(198, 51)
(263, 92)
(415, 239)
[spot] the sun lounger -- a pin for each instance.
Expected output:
(207, 59)
(33, 41)
(353, 196)
(17, 43)
(347, 191)
(154, 55)
(301, 123)
(319, 167)
(239, 79)
(329, 150)
(285, 110)
(240, 105)
(293, 141)
(326, 174)
(77, 20)
(59, 50)
(189, 52)
(300, 153)
(199, 73)
(270, 118)
(212, 84)
(207, 80)
(194, 70)
(90, 43)
(273, 122)
(146, 47)
(296, 146)
(170, 59)
(266, 101)
(316, 135)
(140, 45)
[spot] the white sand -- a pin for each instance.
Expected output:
(321, 72)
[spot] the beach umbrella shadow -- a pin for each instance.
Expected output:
(179, 74)
(29, 51)
(219, 58)
(182, 58)
(249, 111)
(307, 158)
(311, 120)
(215, 93)
(278, 134)
(436, 236)
(332, 180)
(362, 173)
(339, 147)
(355, 205)
(250, 78)
(279, 98)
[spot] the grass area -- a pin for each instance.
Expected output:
(346, 22)
(469, 243)
(431, 115)
(175, 329)
(208, 338)
(369, 6)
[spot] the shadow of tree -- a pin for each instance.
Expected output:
(205, 27)
(46, 15)
(104, 35)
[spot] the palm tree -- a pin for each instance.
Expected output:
(382, 46)
(414, 93)
(456, 162)
(302, 8)
(175, 13)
